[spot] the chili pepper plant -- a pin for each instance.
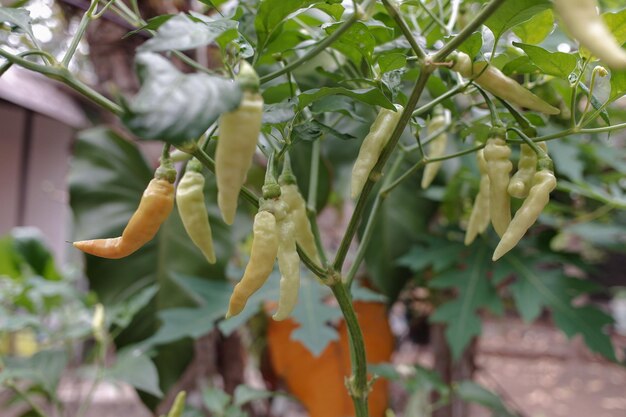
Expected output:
(427, 120)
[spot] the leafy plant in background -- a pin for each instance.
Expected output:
(324, 67)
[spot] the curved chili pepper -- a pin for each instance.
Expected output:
(192, 209)
(479, 219)
(156, 204)
(497, 155)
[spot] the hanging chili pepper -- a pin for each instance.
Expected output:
(435, 147)
(544, 182)
(262, 257)
(581, 19)
(497, 155)
(238, 135)
(192, 209)
(480, 217)
(373, 144)
(493, 80)
(297, 211)
(288, 261)
(155, 206)
(520, 182)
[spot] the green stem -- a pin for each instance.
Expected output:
(24, 396)
(357, 384)
(467, 31)
(320, 47)
(406, 31)
(432, 15)
(311, 200)
(426, 107)
(369, 227)
(540, 152)
(5, 67)
(78, 36)
(63, 75)
(342, 251)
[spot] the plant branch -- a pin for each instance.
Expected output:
(406, 31)
(467, 30)
(320, 47)
(24, 396)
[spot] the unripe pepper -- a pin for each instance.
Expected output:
(192, 209)
(262, 257)
(497, 155)
(435, 147)
(480, 217)
(544, 182)
(581, 19)
(288, 261)
(297, 212)
(493, 80)
(156, 204)
(520, 182)
(238, 135)
(179, 405)
(373, 144)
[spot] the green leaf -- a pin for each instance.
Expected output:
(556, 292)
(616, 22)
(278, 112)
(17, 17)
(356, 42)
(472, 45)
(595, 103)
(313, 315)
(122, 313)
(513, 13)
(391, 61)
(215, 400)
(558, 64)
(520, 65)
(270, 15)
(618, 84)
(29, 244)
(402, 220)
(537, 28)
(474, 291)
(176, 107)
(151, 24)
(135, 369)
(245, 394)
(472, 392)
(313, 129)
(183, 32)
(44, 368)
(372, 96)
(440, 254)
(566, 159)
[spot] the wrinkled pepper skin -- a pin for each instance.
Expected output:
(493, 80)
(373, 144)
(497, 154)
(193, 212)
(520, 182)
(435, 149)
(297, 210)
(237, 140)
(582, 21)
(289, 266)
(155, 206)
(480, 217)
(262, 258)
(544, 182)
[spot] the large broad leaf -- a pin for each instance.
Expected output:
(176, 107)
(558, 64)
(43, 369)
(183, 32)
(136, 369)
(402, 220)
(373, 96)
(474, 291)
(512, 13)
(537, 28)
(271, 14)
(538, 286)
(107, 178)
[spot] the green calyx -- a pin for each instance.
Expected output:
(194, 165)
(166, 171)
(498, 132)
(545, 163)
(247, 78)
(287, 177)
(271, 190)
